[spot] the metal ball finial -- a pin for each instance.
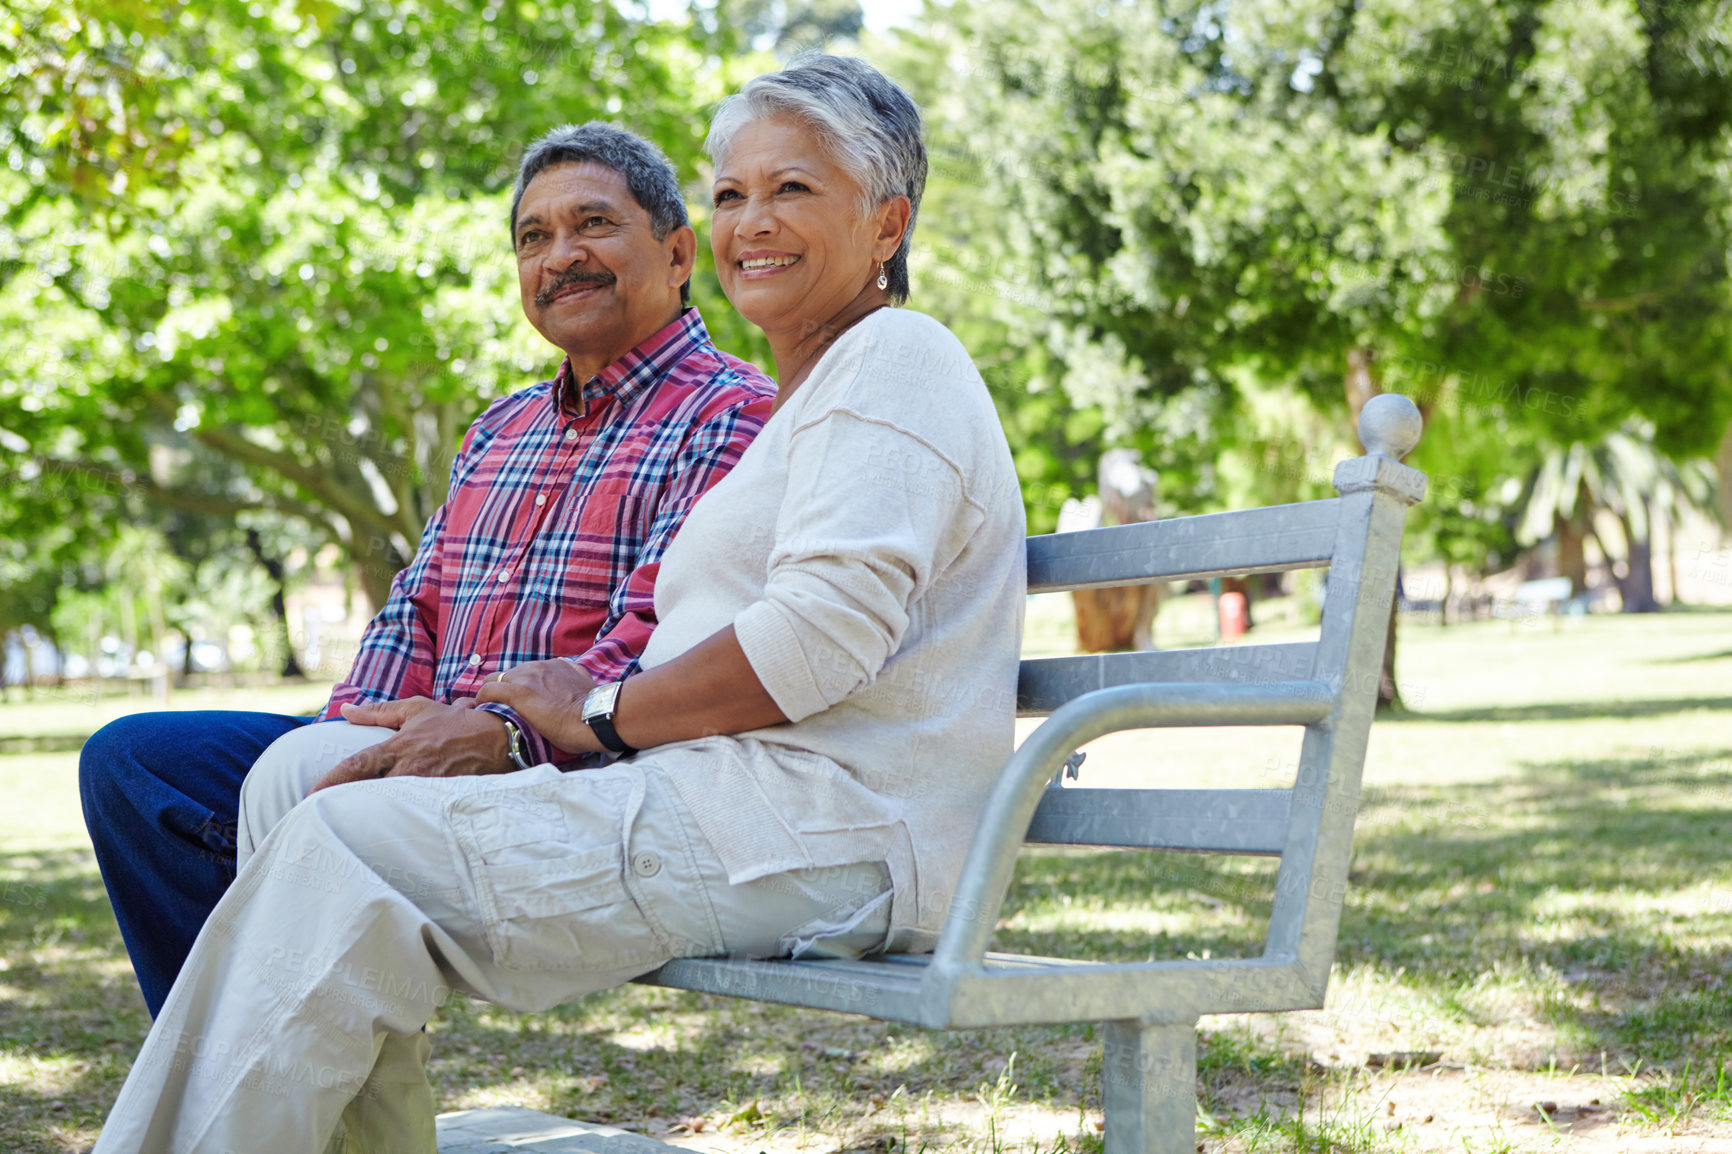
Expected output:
(1389, 426)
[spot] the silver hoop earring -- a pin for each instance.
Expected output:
(883, 281)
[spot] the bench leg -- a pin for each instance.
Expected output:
(1149, 1086)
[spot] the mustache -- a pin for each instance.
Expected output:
(570, 277)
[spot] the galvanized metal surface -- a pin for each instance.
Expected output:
(1268, 540)
(1240, 821)
(1045, 683)
(1329, 686)
(516, 1129)
(1004, 821)
(1147, 1079)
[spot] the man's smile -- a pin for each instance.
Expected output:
(572, 283)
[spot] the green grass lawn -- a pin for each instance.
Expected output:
(1542, 898)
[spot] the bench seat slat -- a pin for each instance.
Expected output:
(1007, 989)
(1000, 996)
(1045, 683)
(1271, 540)
(1237, 821)
(883, 988)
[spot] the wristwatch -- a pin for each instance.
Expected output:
(598, 711)
(514, 738)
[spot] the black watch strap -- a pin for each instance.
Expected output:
(605, 733)
(598, 711)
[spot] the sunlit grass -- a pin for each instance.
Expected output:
(1541, 895)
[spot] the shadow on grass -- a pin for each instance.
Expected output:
(1563, 710)
(1691, 657)
(774, 1065)
(1591, 882)
(1592, 875)
(72, 1019)
(1600, 890)
(70, 1012)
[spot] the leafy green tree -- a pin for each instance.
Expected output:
(1528, 199)
(311, 294)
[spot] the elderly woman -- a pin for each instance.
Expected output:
(816, 722)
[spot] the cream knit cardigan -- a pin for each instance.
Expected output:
(869, 551)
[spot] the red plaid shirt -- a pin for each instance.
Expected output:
(561, 504)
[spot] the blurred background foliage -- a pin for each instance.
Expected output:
(255, 279)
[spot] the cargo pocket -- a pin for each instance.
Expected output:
(854, 925)
(551, 882)
(570, 913)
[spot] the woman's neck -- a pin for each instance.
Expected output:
(797, 350)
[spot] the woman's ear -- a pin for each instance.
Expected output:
(893, 216)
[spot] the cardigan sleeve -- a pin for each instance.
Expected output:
(873, 511)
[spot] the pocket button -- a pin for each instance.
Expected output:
(646, 864)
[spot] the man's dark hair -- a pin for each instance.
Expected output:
(648, 173)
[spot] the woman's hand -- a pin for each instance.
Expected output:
(548, 695)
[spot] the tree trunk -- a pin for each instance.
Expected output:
(279, 606)
(27, 638)
(1723, 467)
(1572, 559)
(1672, 563)
(1388, 693)
(53, 637)
(376, 562)
(1636, 587)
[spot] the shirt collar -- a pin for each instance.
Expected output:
(631, 375)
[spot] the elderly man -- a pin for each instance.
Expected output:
(562, 501)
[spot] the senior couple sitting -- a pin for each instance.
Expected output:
(792, 612)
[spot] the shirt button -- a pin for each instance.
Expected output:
(541, 498)
(646, 864)
(475, 659)
(571, 434)
(504, 575)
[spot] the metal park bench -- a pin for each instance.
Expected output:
(1329, 686)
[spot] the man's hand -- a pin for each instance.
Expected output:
(548, 695)
(390, 714)
(432, 740)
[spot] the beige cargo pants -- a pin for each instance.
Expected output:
(295, 1025)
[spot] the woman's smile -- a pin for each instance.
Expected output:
(760, 263)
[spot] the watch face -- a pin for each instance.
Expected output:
(599, 701)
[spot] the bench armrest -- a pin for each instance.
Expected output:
(1004, 822)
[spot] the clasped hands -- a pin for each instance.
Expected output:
(458, 740)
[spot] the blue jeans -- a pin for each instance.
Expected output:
(161, 795)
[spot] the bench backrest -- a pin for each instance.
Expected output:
(1329, 686)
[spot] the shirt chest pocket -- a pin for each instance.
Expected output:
(589, 545)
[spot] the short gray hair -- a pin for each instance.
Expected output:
(649, 175)
(869, 124)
